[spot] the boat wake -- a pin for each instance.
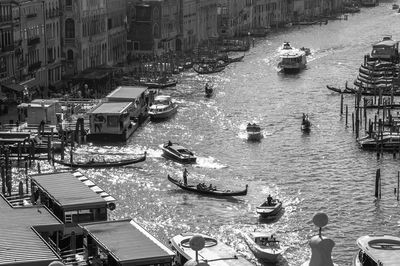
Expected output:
(209, 163)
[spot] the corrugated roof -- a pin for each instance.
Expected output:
(19, 242)
(111, 108)
(67, 190)
(127, 241)
(127, 92)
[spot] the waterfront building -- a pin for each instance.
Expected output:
(84, 35)
(153, 28)
(123, 242)
(52, 44)
(39, 110)
(234, 17)
(116, 31)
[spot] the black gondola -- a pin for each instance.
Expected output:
(339, 90)
(213, 192)
(209, 91)
(104, 164)
(207, 68)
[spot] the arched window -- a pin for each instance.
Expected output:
(156, 13)
(156, 31)
(69, 28)
(68, 3)
(70, 55)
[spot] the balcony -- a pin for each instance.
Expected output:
(33, 41)
(34, 66)
(51, 60)
(8, 48)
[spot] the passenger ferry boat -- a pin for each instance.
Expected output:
(386, 50)
(215, 253)
(162, 108)
(292, 59)
(377, 250)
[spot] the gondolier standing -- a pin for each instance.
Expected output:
(185, 172)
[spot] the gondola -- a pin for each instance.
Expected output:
(213, 192)
(207, 69)
(339, 90)
(104, 164)
(234, 59)
(305, 124)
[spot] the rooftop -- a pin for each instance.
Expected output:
(127, 241)
(111, 108)
(67, 190)
(127, 92)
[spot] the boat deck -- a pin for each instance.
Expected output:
(382, 248)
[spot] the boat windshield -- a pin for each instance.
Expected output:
(161, 102)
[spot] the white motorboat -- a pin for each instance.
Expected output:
(215, 253)
(264, 246)
(178, 153)
(162, 108)
(254, 132)
(269, 210)
(292, 59)
(382, 250)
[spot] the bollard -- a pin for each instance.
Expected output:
(38, 168)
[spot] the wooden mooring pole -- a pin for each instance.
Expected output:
(377, 183)
(352, 121)
(347, 113)
(341, 104)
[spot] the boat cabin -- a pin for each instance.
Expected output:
(71, 197)
(39, 110)
(112, 120)
(262, 239)
(387, 50)
(123, 243)
(161, 103)
(139, 96)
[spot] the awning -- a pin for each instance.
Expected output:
(14, 87)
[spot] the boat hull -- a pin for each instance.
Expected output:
(269, 211)
(265, 254)
(254, 136)
(218, 193)
(102, 164)
(170, 154)
(155, 116)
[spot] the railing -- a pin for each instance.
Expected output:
(34, 41)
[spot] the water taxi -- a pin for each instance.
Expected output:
(292, 59)
(264, 246)
(386, 50)
(178, 153)
(377, 250)
(269, 210)
(215, 253)
(162, 108)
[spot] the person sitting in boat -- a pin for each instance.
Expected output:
(169, 143)
(185, 172)
(269, 200)
(304, 117)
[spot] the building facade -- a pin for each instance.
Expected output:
(234, 17)
(116, 31)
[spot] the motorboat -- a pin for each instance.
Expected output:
(254, 132)
(207, 68)
(214, 252)
(269, 209)
(178, 153)
(264, 246)
(395, 6)
(292, 59)
(208, 190)
(377, 250)
(162, 108)
(385, 50)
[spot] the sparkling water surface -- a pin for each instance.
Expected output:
(323, 171)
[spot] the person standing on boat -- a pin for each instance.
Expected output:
(185, 172)
(269, 200)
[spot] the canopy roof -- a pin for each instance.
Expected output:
(127, 241)
(126, 92)
(111, 108)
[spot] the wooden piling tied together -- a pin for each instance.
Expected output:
(347, 113)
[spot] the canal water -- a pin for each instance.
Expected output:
(323, 171)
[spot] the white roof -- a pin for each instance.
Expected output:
(381, 248)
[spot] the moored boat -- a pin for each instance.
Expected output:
(102, 164)
(254, 132)
(214, 252)
(345, 90)
(205, 190)
(207, 68)
(178, 153)
(264, 246)
(387, 141)
(269, 209)
(160, 83)
(377, 250)
(395, 6)
(292, 59)
(162, 108)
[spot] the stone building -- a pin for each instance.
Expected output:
(116, 31)
(153, 27)
(234, 17)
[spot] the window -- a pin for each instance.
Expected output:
(70, 55)
(112, 121)
(69, 28)
(68, 3)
